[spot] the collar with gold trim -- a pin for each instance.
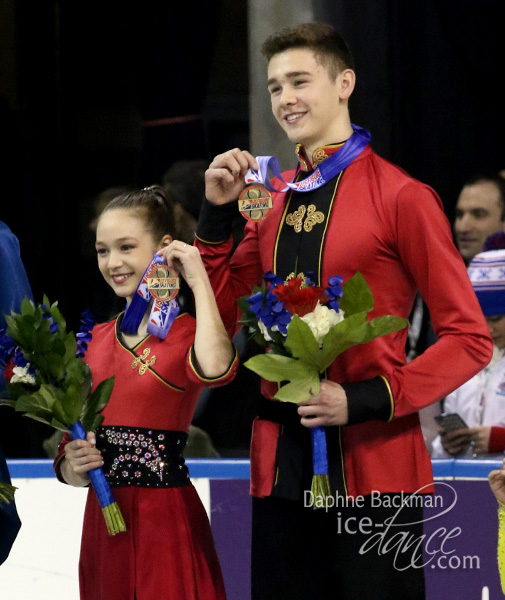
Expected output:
(318, 156)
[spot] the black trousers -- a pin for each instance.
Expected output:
(345, 553)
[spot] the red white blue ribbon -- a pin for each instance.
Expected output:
(324, 172)
(163, 313)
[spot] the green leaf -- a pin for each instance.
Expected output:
(73, 403)
(41, 405)
(27, 306)
(6, 492)
(273, 367)
(44, 399)
(302, 377)
(95, 402)
(356, 330)
(302, 343)
(343, 335)
(6, 402)
(57, 316)
(384, 325)
(58, 425)
(299, 390)
(93, 424)
(357, 296)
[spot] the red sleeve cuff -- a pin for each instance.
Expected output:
(197, 377)
(497, 439)
(60, 457)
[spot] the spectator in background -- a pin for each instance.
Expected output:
(480, 401)
(14, 287)
(480, 212)
(13, 278)
(20, 438)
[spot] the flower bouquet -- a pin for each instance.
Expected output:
(49, 382)
(6, 492)
(304, 328)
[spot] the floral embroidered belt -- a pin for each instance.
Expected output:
(143, 457)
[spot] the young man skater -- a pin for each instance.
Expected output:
(368, 216)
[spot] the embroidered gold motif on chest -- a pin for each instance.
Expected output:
(313, 218)
(142, 361)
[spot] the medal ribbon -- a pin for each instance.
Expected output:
(162, 314)
(325, 171)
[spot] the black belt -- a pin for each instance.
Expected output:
(143, 457)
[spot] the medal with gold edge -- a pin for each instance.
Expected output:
(255, 203)
(162, 282)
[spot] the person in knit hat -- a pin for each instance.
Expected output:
(481, 400)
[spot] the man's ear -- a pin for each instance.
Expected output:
(346, 80)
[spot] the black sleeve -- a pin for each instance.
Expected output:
(215, 223)
(369, 400)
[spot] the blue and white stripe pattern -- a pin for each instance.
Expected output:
(487, 274)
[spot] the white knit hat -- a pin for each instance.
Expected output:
(487, 274)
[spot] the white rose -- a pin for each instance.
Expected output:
(264, 330)
(21, 375)
(321, 320)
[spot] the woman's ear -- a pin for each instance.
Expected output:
(166, 240)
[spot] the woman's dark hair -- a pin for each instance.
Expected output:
(152, 205)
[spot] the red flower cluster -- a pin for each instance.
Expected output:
(9, 370)
(298, 298)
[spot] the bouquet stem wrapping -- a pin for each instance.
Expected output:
(320, 487)
(110, 508)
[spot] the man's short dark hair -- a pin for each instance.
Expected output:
(329, 46)
(495, 179)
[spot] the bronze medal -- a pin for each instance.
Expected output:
(255, 203)
(162, 282)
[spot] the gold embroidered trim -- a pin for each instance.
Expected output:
(318, 156)
(295, 219)
(391, 399)
(212, 379)
(313, 218)
(301, 276)
(142, 361)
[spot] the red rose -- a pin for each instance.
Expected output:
(299, 300)
(9, 370)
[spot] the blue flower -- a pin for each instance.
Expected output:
(46, 316)
(309, 278)
(84, 334)
(272, 278)
(19, 359)
(7, 345)
(270, 310)
(334, 291)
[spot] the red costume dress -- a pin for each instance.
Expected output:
(168, 550)
(376, 219)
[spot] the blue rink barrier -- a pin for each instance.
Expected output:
(457, 549)
(224, 468)
(211, 468)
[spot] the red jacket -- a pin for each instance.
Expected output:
(392, 229)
